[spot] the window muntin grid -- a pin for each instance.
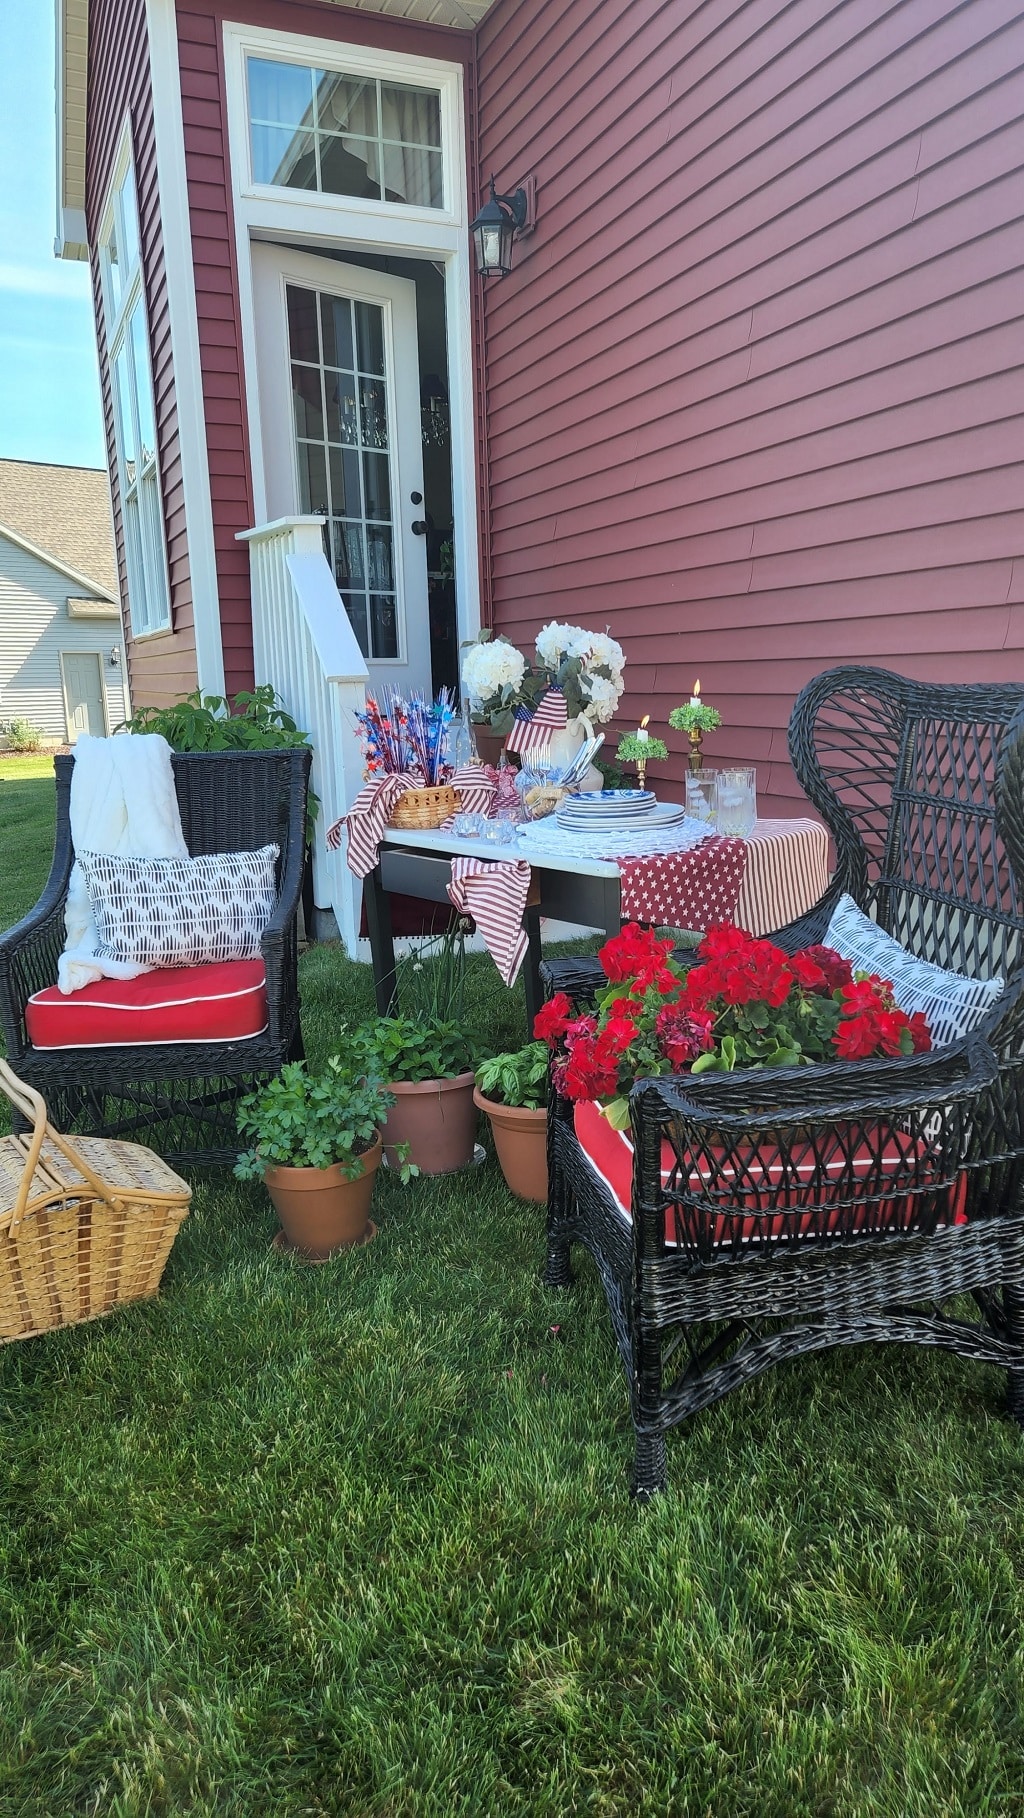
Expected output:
(345, 135)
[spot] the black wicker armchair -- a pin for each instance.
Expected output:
(179, 1098)
(781, 1212)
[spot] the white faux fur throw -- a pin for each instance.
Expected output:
(122, 800)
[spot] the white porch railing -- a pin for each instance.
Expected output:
(305, 647)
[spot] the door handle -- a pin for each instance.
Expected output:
(419, 527)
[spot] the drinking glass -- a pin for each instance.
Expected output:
(737, 801)
(702, 795)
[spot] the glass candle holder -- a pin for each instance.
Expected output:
(737, 801)
(702, 796)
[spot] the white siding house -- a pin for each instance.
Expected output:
(62, 660)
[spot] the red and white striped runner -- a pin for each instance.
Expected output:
(495, 896)
(787, 873)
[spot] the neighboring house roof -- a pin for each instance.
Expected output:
(72, 56)
(63, 514)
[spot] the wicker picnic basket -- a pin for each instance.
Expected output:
(84, 1226)
(425, 808)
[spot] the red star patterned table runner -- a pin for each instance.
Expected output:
(692, 889)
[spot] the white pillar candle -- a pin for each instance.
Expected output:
(642, 734)
(695, 696)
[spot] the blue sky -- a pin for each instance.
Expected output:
(49, 385)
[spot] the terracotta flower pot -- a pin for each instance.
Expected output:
(437, 1118)
(520, 1138)
(320, 1209)
(489, 744)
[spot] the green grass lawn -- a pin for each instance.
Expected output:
(358, 1539)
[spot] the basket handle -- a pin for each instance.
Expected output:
(32, 1104)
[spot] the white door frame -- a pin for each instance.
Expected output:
(274, 268)
(336, 224)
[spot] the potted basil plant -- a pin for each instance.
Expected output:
(427, 1065)
(316, 1143)
(512, 1089)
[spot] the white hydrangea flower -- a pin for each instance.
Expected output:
(488, 668)
(604, 698)
(596, 649)
(553, 643)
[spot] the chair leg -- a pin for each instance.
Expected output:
(297, 1047)
(1013, 1308)
(650, 1467)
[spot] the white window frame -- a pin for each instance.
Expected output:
(145, 555)
(351, 60)
(319, 221)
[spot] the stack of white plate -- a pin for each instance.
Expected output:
(604, 810)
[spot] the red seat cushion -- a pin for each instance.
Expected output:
(610, 1154)
(224, 1001)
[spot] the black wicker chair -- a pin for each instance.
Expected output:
(771, 1214)
(179, 1099)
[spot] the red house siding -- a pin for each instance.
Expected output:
(163, 666)
(754, 387)
(200, 47)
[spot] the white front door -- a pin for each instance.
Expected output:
(339, 389)
(83, 694)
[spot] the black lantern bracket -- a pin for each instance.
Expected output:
(501, 219)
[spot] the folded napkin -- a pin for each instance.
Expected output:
(495, 896)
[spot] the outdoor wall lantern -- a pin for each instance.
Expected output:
(499, 220)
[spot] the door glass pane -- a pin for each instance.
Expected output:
(378, 549)
(302, 335)
(349, 568)
(307, 401)
(373, 414)
(369, 338)
(344, 468)
(377, 486)
(383, 625)
(336, 316)
(313, 495)
(342, 415)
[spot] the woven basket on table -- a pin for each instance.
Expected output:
(425, 808)
(84, 1226)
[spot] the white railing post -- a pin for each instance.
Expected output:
(304, 645)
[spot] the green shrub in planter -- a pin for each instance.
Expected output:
(410, 1049)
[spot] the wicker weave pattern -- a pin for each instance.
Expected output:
(84, 1227)
(923, 791)
(425, 808)
(181, 1097)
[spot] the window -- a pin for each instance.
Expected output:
(344, 135)
(131, 385)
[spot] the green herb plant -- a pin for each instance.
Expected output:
(519, 1079)
(305, 1120)
(409, 1049)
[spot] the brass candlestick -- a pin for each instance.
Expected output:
(695, 754)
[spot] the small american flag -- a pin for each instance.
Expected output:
(531, 730)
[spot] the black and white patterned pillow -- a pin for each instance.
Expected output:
(181, 912)
(952, 1003)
